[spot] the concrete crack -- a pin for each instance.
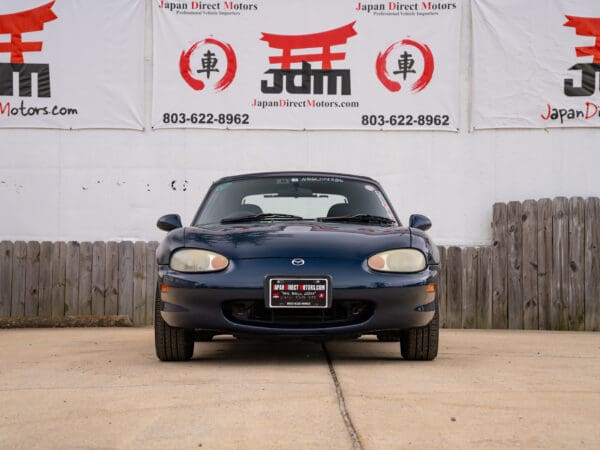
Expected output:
(354, 437)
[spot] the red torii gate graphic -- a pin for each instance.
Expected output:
(16, 24)
(586, 26)
(325, 40)
(24, 22)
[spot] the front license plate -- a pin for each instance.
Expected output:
(286, 292)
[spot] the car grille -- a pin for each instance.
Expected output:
(254, 312)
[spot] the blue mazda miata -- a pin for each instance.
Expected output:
(301, 255)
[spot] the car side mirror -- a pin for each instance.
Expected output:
(419, 221)
(169, 222)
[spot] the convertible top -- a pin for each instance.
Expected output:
(294, 174)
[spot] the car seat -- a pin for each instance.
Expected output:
(340, 209)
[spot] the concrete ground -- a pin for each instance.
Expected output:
(104, 388)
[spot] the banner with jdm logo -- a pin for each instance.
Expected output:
(306, 64)
(536, 63)
(71, 64)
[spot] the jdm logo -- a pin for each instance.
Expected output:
(311, 80)
(585, 26)
(15, 25)
(407, 60)
(214, 62)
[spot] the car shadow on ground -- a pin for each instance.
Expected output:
(228, 350)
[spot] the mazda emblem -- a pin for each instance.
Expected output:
(297, 262)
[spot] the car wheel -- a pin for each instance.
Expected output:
(172, 344)
(389, 336)
(421, 343)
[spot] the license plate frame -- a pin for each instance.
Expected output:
(289, 298)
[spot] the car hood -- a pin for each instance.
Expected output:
(297, 240)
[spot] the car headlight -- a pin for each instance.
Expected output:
(193, 260)
(407, 260)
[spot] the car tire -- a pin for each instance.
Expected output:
(421, 343)
(389, 336)
(172, 344)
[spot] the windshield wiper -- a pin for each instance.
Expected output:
(359, 218)
(258, 217)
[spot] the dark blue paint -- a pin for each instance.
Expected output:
(256, 250)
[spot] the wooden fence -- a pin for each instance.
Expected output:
(541, 272)
(57, 279)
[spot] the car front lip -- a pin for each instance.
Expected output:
(195, 301)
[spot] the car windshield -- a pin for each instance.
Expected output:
(323, 198)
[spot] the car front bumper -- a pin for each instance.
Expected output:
(233, 301)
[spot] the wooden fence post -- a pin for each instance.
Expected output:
(19, 267)
(6, 272)
(592, 264)
(126, 278)
(84, 296)
(576, 286)
(111, 299)
(454, 288)
(544, 237)
(514, 295)
(559, 313)
(45, 290)
(530, 265)
(32, 279)
(151, 280)
(139, 283)
(441, 287)
(484, 288)
(72, 279)
(469, 287)
(59, 278)
(98, 278)
(499, 267)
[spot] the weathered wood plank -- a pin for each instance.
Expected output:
(484, 288)
(84, 295)
(441, 287)
(126, 278)
(45, 292)
(72, 279)
(576, 272)
(592, 264)
(151, 280)
(559, 312)
(454, 288)
(111, 300)
(19, 266)
(530, 265)
(6, 262)
(32, 277)
(98, 277)
(515, 264)
(499, 267)
(139, 283)
(469, 287)
(59, 273)
(544, 237)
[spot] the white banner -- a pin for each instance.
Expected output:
(536, 63)
(71, 64)
(306, 64)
